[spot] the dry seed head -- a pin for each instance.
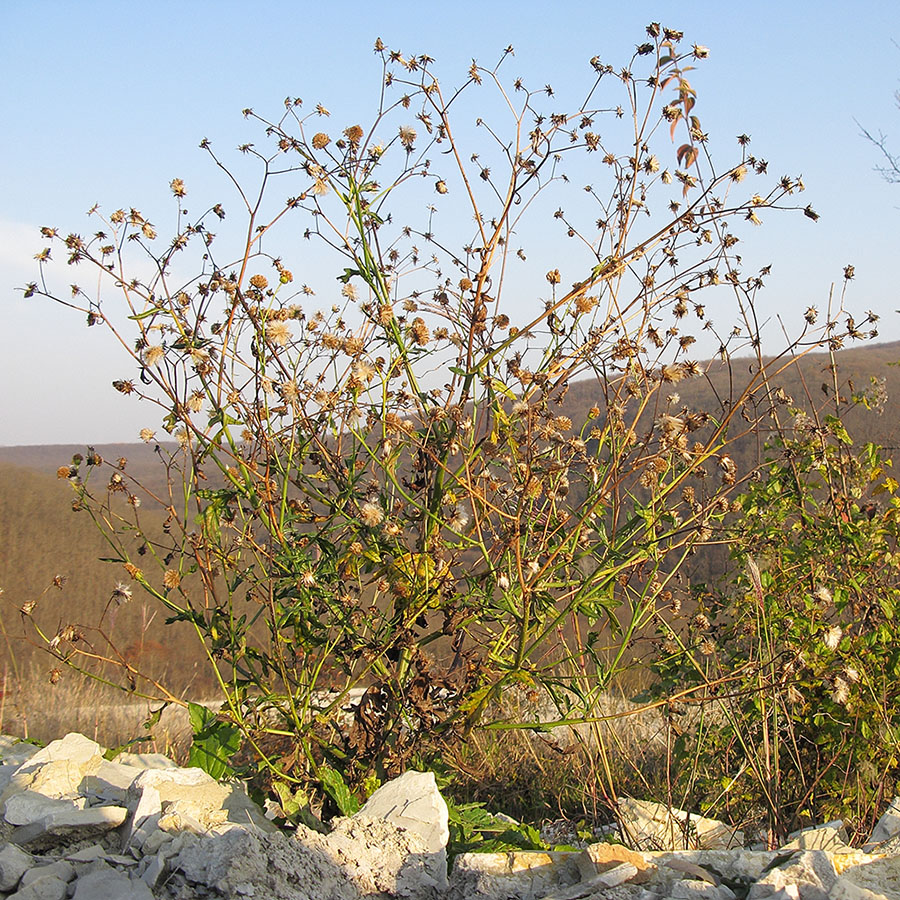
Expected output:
(278, 333)
(171, 579)
(832, 637)
(407, 136)
(177, 186)
(121, 593)
(353, 346)
(260, 282)
(354, 135)
(152, 356)
(700, 622)
(553, 276)
(841, 692)
(320, 141)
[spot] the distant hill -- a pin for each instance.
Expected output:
(42, 538)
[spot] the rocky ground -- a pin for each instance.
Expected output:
(73, 824)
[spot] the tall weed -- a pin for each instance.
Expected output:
(383, 491)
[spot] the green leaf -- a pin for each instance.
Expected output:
(334, 785)
(838, 430)
(154, 311)
(215, 742)
(348, 274)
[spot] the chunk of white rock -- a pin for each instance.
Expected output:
(146, 812)
(14, 863)
(69, 825)
(61, 869)
(46, 888)
(110, 782)
(832, 836)
(201, 797)
(886, 828)
(686, 889)
(110, 885)
(811, 871)
(520, 874)
(738, 865)
(413, 802)
(29, 806)
(14, 752)
(654, 826)
(602, 856)
(877, 879)
(57, 770)
(380, 856)
(609, 879)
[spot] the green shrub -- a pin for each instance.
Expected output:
(800, 650)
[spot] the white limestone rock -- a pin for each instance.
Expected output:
(14, 863)
(239, 865)
(200, 797)
(874, 879)
(67, 825)
(733, 865)
(653, 826)
(689, 889)
(144, 817)
(602, 856)
(57, 770)
(382, 857)
(61, 869)
(111, 782)
(109, 884)
(413, 802)
(810, 871)
(598, 886)
(832, 836)
(14, 752)
(28, 807)
(44, 888)
(516, 875)
(886, 828)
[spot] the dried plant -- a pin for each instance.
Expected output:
(384, 489)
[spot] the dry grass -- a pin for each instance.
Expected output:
(31, 707)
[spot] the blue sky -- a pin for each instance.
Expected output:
(106, 103)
